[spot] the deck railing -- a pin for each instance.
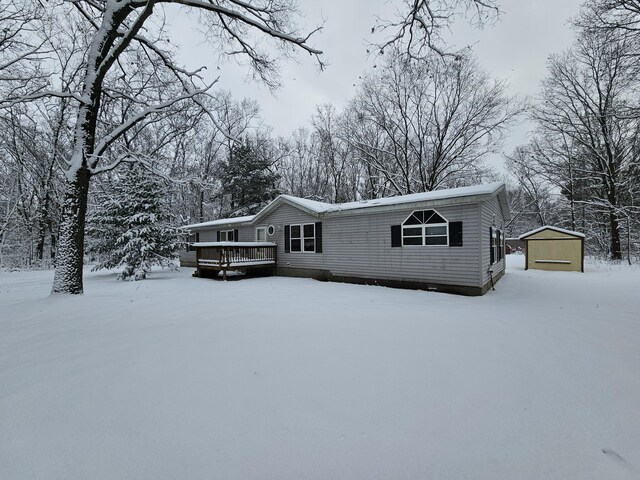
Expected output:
(225, 256)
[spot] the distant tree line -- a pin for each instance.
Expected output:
(581, 168)
(86, 92)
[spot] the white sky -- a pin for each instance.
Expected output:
(516, 48)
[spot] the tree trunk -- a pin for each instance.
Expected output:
(616, 250)
(68, 272)
(41, 229)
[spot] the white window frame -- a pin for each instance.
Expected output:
(263, 229)
(495, 245)
(423, 230)
(302, 238)
(226, 235)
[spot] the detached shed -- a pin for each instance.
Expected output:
(554, 248)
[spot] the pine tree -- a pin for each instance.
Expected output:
(129, 226)
(248, 183)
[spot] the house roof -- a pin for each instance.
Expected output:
(233, 244)
(549, 227)
(324, 209)
(221, 222)
(320, 207)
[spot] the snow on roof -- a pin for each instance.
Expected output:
(233, 244)
(320, 207)
(549, 227)
(222, 221)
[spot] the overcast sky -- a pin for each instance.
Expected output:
(515, 48)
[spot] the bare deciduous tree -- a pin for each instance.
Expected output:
(128, 68)
(424, 125)
(416, 30)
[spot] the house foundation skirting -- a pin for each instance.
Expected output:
(327, 276)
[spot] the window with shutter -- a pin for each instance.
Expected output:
(302, 238)
(396, 235)
(425, 227)
(287, 238)
(318, 237)
(227, 235)
(455, 234)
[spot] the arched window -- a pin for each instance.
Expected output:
(425, 227)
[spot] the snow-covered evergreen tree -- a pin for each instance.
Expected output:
(248, 182)
(129, 226)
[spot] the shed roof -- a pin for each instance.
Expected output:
(549, 227)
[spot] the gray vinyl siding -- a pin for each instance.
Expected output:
(245, 233)
(359, 245)
(491, 217)
(287, 215)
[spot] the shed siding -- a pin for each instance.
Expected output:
(569, 250)
(360, 246)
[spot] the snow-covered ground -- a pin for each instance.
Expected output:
(284, 378)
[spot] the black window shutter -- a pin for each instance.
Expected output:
(455, 234)
(287, 237)
(235, 236)
(499, 244)
(197, 236)
(218, 236)
(491, 251)
(396, 235)
(318, 237)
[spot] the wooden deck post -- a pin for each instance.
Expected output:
(275, 260)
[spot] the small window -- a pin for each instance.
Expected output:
(425, 227)
(303, 238)
(261, 234)
(296, 238)
(496, 246)
(226, 235)
(271, 230)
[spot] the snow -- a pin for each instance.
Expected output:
(277, 378)
(549, 227)
(233, 244)
(223, 221)
(320, 207)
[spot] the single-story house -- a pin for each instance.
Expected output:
(445, 240)
(554, 248)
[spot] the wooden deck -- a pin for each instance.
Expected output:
(242, 256)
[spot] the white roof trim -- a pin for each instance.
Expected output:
(324, 208)
(222, 221)
(233, 244)
(549, 227)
